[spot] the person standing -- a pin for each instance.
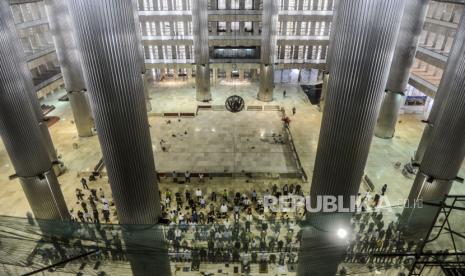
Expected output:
(198, 193)
(92, 202)
(201, 177)
(254, 196)
(213, 196)
(87, 217)
(383, 189)
(294, 111)
(84, 183)
(284, 94)
(71, 215)
(79, 195)
(187, 174)
(376, 200)
(187, 194)
(202, 203)
(81, 216)
(95, 214)
(223, 210)
(225, 195)
(84, 206)
(175, 177)
(106, 212)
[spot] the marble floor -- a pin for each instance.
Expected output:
(231, 130)
(219, 141)
(222, 142)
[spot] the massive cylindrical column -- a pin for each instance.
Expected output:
(111, 66)
(112, 72)
(331, 37)
(145, 78)
(202, 56)
(70, 63)
(26, 74)
(442, 93)
(360, 64)
(364, 42)
(268, 45)
(387, 118)
(22, 136)
(445, 151)
(140, 46)
(411, 26)
(79, 101)
(326, 73)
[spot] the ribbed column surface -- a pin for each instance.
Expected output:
(265, 92)
(145, 80)
(45, 197)
(387, 118)
(146, 250)
(331, 36)
(201, 49)
(446, 150)
(411, 26)
(65, 44)
(269, 23)
(364, 40)
(324, 91)
(20, 59)
(202, 82)
(82, 113)
(418, 217)
(443, 90)
(18, 124)
(139, 36)
(427, 189)
(321, 249)
(70, 63)
(22, 135)
(141, 54)
(105, 34)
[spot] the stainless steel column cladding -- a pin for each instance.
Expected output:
(70, 63)
(22, 136)
(326, 73)
(442, 92)
(364, 41)
(411, 27)
(82, 113)
(417, 217)
(112, 73)
(140, 46)
(201, 49)
(65, 44)
(387, 118)
(445, 152)
(269, 25)
(5, 12)
(142, 56)
(331, 37)
(360, 63)
(44, 195)
(324, 90)
(145, 80)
